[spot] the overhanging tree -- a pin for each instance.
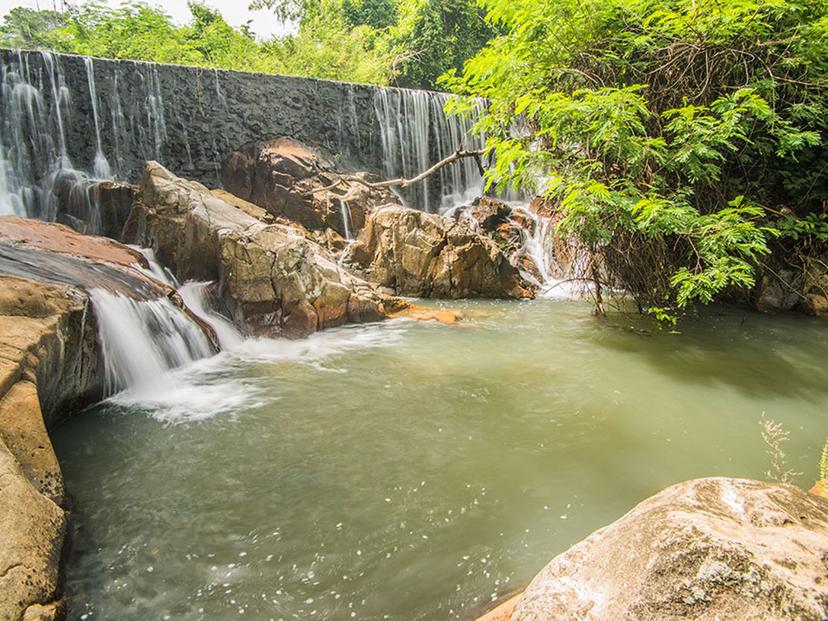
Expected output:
(671, 136)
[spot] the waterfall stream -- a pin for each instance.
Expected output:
(195, 296)
(100, 167)
(345, 211)
(415, 133)
(143, 339)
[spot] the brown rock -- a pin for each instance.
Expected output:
(710, 549)
(292, 181)
(48, 365)
(64, 240)
(272, 277)
(820, 488)
(427, 255)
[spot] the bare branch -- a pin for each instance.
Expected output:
(458, 155)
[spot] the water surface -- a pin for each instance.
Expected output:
(412, 470)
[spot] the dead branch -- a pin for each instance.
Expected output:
(458, 155)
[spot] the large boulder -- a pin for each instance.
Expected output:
(292, 181)
(710, 549)
(49, 366)
(273, 279)
(426, 255)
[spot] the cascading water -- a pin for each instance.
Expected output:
(345, 212)
(36, 173)
(143, 339)
(37, 176)
(50, 163)
(195, 296)
(156, 270)
(100, 166)
(415, 133)
(553, 279)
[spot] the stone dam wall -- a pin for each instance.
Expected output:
(104, 118)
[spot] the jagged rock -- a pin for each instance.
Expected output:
(48, 367)
(113, 200)
(292, 181)
(272, 278)
(489, 213)
(427, 255)
(710, 549)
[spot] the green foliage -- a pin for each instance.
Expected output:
(813, 225)
(30, 28)
(401, 42)
(326, 46)
(662, 130)
(432, 36)
(377, 14)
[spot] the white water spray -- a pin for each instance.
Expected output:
(195, 297)
(142, 340)
(345, 212)
(100, 166)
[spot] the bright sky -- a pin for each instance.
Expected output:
(234, 11)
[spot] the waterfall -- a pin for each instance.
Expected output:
(36, 174)
(415, 133)
(100, 166)
(142, 340)
(345, 212)
(156, 270)
(195, 296)
(554, 279)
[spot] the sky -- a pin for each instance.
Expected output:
(235, 12)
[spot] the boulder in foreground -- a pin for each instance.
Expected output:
(710, 549)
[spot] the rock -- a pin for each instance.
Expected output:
(49, 365)
(503, 612)
(427, 255)
(271, 277)
(114, 202)
(489, 213)
(290, 180)
(820, 488)
(815, 296)
(710, 549)
(779, 291)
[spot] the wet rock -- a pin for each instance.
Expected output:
(292, 181)
(55, 253)
(427, 255)
(114, 203)
(710, 549)
(271, 276)
(489, 213)
(49, 365)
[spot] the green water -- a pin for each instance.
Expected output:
(413, 470)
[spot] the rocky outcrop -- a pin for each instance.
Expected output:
(427, 255)
(49, 366)
(710, 549)
(801, 285)
(272, 278)
(292, 181)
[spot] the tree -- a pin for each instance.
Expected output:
(30, 28)
(666, 133)
(432, 36)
